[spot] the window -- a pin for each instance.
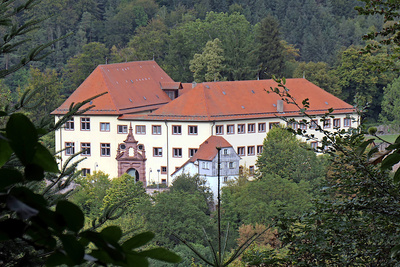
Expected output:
(241, 129)
(292, 124)
(231, 165)
(303, 125)
(140, 129)
(192, 151)
(241, 151)
(156, 129)
(250, 150)
(105, 150)
(176, 129)
(164, 181)
(205, 165)
(69, 125)
(261, 127)
(230, 129)
(225, 179)
(157, 151)
(163, 169)
(251, 128)
(85, 147)
(336, 123)
(259, 150)
(177, 152)
(314, 145)
(313, 124)
(347, 122)
(104, 126)
(225, 151)
(69, 148)
(192, 130)
(122, 129)
(219, 129)
(327, 123)
(251, 170)
(85, 124)
(273, 124)
(85, 172)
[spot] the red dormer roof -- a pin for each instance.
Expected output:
(233, 100)
(208, 149)
(131, 87)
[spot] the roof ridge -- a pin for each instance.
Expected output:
(107, 83)
(206, 102)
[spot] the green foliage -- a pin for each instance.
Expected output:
(177, 212)
(90, 193)
(285, 156)
(207, 66)
(192, 184)
(47, 88)
(391, 104)
(360, 84)
(273, 195)
(80, 66)
(319, 74)
(269, 50)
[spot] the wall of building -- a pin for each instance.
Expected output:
(166, 140)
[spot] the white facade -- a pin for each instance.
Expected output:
(170, 148)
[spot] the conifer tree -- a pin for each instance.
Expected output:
(269, 50)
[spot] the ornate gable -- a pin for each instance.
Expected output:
(131, 158)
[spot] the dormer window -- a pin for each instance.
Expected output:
(171, 89)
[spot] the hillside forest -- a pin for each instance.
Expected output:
(316, 39)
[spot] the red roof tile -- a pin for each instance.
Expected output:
(244, 100)
(207, 150)
(131, 86)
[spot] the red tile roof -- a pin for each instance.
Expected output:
(208, 150)
(131, 87)
(233, 100)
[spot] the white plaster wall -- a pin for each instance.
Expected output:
(167, 141)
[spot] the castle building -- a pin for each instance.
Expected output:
(149, 125)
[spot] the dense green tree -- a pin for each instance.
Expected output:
(150, 42)
(319, 74)
(360, 84)
(285, 156)
(192, 184)
(48, 87)
(90, 193)
(269, 50)
(391, 104)
(80, 66)
(235, 34)
(243, 201)
(207, 66)
(178, 212)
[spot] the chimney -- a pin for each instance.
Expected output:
(279, 106)
(194, 84)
